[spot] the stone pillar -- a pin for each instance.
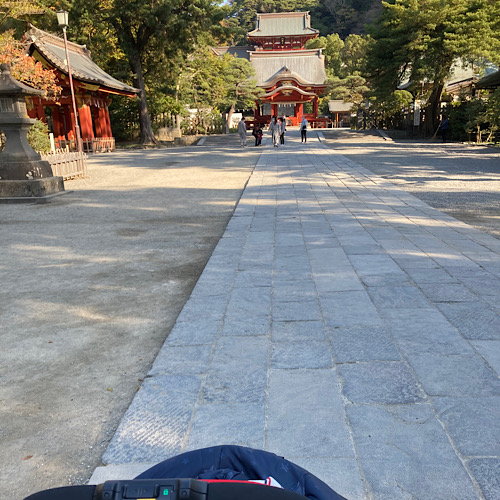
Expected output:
(23, 173)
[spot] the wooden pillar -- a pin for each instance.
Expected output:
(256, 111)
(36, 110)
(300, 111)
(57, 123)
(316, 106)
(274, 110)
(85, 117)
(96, 113)
(70, 122)
(106, 123)
(40, 113)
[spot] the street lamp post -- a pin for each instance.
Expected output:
(62, 19)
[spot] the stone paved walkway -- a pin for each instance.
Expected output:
(343, 324)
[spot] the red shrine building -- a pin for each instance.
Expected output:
(289, 75)
(93, 89)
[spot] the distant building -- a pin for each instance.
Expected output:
(94, 89)
(289, 75)
(341, 112)
(490, 82)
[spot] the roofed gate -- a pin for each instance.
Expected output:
(288, 74)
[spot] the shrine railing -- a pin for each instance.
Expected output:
(66, 164)
(95, 145)
(99, 145)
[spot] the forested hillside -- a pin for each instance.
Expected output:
(329, 16)
(344, 17)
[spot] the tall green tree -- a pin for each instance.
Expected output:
(142, 29)
(354, 54)
(352, 88)
(344, 17)
(332, 46)
(14, 14)
(420, 40)
(226, 83)
(241, 87)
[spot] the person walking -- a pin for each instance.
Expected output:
(275, 128)
(282, 130)
(445, 126)
(242, 131)
(303, 129)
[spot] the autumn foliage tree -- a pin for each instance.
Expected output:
(24, 68)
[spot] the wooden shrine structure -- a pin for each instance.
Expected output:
(93, 89)
(290, 75)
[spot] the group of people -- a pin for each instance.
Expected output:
(277, 127)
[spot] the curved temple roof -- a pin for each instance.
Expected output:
(283, 24)
(287, 90)
(83, 68)
(296, 62)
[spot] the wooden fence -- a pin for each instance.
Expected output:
(96, 145)
(99, 145)
(67, 165)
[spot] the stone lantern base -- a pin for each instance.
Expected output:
(31, 190)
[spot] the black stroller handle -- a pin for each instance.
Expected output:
(168, 489)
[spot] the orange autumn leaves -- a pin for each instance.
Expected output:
(25, 69)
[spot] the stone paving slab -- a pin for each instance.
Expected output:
(341, 322)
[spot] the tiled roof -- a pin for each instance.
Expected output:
(307, 66)
(83, 68)
(491, 81)
(238, 51)
(283, 24)
(338, 106)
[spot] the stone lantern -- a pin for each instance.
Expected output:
(23, 173)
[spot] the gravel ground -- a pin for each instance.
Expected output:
(459, 179)
(92, 283)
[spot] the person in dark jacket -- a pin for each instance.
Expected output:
(257, 133)
(445, 127)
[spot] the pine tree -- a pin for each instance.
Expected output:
(420, 40)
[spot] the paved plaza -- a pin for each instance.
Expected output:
(342, 323)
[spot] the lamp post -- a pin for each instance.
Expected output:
(62, 20)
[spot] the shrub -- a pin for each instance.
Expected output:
(38, 137)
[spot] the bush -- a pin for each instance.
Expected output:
(38, 137)
(124, 117)
(467, 120)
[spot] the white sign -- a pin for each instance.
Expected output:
(416, 114)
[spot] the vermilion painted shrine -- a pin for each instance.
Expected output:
(288, 74)
(93, 91)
